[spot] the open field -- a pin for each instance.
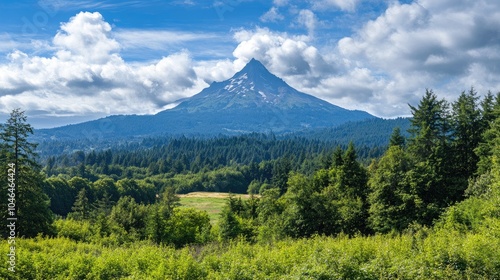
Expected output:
(212, 202)
(212, 195)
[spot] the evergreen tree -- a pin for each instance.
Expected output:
(78, 183)
(393, 203)
(397, 139)
(169, 200)
(159, 214)
(81, 207)
(347, 194)
(354, 174)
(281, 171)
(104, 205)
(487, 110)
(467, 133)
(432, 175)
(430, 127)
(32, 204)
(484, 150)
(229, 225)
(495, 159)
(155, 224)
(61, 194)
(338, 157)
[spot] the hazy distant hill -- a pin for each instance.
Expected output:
(371, 132)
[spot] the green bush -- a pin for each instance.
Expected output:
(188, 226)
(74, 230)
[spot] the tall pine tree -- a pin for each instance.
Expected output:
(348, 193)
(397, 139)
(490, 114)
(429, 147)
(467, 133)
(33, 213)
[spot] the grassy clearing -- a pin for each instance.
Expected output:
(212, 202)
(212, 205)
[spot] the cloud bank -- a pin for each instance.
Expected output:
(87, 76)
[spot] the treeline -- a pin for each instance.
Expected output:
(365, 135)
(372, 132)
(180, 155)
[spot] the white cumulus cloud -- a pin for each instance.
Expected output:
(87, 76)
(446, 45)
(290, 57)
(308, 19)
(272, 15)
(345, 5)
(86, 36)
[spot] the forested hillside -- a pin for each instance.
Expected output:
(373, 133)
(424, 206)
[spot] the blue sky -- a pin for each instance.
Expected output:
(205, 22)
(69, 61)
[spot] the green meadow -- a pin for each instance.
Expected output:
(211, 202)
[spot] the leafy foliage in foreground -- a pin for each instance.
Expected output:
(421, 254)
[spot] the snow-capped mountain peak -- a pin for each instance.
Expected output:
(253, 86)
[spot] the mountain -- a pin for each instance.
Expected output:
(254, 87)
(253, 100)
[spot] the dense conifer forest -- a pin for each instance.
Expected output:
(423, 204)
